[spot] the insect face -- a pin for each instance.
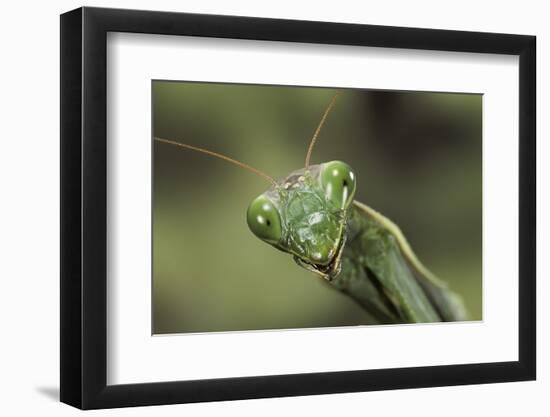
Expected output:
(305, 215)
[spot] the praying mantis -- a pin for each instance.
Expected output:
(311, 214)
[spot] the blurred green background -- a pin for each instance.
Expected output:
(417, 157)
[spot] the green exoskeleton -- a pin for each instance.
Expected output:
(312, 215)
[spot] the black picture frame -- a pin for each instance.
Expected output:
(84, 207)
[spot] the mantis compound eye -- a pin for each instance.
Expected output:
(338, 181)
(264, 220)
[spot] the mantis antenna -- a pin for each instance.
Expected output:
(314, 139)
(218, 155)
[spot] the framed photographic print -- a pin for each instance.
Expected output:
(257, 208)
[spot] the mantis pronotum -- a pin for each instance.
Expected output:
(311, 214)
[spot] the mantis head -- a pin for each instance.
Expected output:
(305, 215)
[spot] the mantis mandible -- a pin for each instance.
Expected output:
(311, 214)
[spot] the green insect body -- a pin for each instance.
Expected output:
(311, 215)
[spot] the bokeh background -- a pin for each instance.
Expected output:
(418, 160)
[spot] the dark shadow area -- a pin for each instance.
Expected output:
(51, 392)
